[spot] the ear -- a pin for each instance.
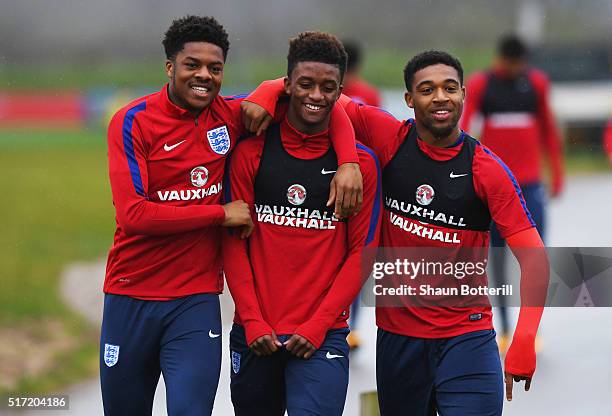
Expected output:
(169, 68)
(287, 82)
(408, 99)
(339, 91)
(463, 92)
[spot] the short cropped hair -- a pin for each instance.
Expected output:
(316, 47)
(194, 29)
(512, 47)
(429, 58)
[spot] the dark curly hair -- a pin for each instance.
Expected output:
(194, 29)
(316, 47)
(429, 58)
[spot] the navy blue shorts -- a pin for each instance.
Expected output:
(269, 385)
(458, 376)
(180, 338)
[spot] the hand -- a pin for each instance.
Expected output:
(300, 347)
(520, 361)
(346, 189)
(247, 230)
(509, 383)
(237, 214)
(266, 345)
(255, 118)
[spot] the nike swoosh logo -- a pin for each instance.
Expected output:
(331, 356)
(210, 334)
(327, 172)
(168, 148)
(453, 176)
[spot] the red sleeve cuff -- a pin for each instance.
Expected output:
(256, 329)
(314, 335)
(219, 215)
(521, 356)
(520, 367)
(348, 160)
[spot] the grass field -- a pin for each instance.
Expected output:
(56, 209)
(383, 67)
(583, 162)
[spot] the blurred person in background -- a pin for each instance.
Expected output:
(355, 86)
(607, 142)
(362, 92)
(518, 125)
(167, 154)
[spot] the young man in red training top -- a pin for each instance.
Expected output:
(518, 125)
(434, 358)
(441, 188)
(294, 278)
(166, 159)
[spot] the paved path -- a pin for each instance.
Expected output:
(574, 367)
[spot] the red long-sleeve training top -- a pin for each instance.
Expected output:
(493, 184)
(300, 270)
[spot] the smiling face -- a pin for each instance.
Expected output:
(195, 76)
(313, 88)
(437, 98)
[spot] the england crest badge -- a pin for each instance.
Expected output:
(111, 354)
(219, 140)
(235, 362)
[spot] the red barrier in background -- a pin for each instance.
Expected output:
(42, 110)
